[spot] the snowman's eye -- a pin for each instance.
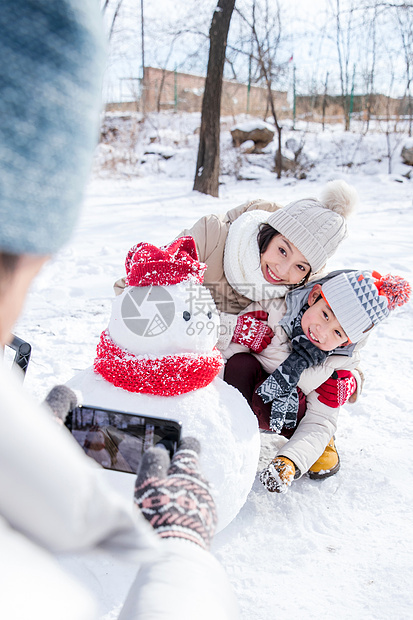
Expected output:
(186, 315)
(209, 315)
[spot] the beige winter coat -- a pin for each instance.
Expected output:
(210, 234)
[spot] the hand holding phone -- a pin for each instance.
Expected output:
(174, 497)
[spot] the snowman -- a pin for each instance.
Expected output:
(158, 357)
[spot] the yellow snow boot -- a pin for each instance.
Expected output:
(327, 465)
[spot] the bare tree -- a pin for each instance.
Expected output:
(404, 16)
(207, 165)
(266, 38)
(369, 74)
(344, 20)
(390, 128)
(324, 103)
(117, 7)
(175, 35)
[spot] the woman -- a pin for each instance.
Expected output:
(261, 251)
(52, 496)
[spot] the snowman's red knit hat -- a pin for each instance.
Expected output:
(170, 264)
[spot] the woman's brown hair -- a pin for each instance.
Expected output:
(8, 263)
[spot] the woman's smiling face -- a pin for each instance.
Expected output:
(282, 263)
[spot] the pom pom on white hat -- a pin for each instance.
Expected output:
(317, 227)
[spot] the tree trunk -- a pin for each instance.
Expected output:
(160, 90)
(325, 101)
(207, 165)
(278, 155)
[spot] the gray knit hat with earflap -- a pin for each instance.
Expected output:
(52, 61)
(362, 299)
(317, 227)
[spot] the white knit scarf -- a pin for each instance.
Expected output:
(242, 258)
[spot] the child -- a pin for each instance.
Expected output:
(320, 326)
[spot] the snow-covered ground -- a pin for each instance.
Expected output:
(341, 547)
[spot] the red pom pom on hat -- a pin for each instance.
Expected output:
(171, 264)
(396, 289)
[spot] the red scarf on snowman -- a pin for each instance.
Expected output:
(169, 375)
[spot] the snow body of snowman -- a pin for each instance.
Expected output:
(158, 358)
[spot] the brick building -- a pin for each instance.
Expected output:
(183, 92)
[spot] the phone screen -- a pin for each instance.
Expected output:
(117, 440)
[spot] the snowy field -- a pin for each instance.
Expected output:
(340, 547)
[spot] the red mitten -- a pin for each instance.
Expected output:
(337, 389)
(252, 332)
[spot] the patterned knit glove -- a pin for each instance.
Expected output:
(285, 402)
(337, 389)
(61, 400)
(278, 475)
(252, 332)
(281, 386)
(176, 500)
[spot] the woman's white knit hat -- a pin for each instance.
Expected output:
(317, 227)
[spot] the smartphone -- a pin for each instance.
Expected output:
(18, 353)
(117, 439)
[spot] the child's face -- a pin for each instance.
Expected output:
(320, 325)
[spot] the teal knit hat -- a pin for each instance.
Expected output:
(52, 58)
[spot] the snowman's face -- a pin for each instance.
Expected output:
(165, 320)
